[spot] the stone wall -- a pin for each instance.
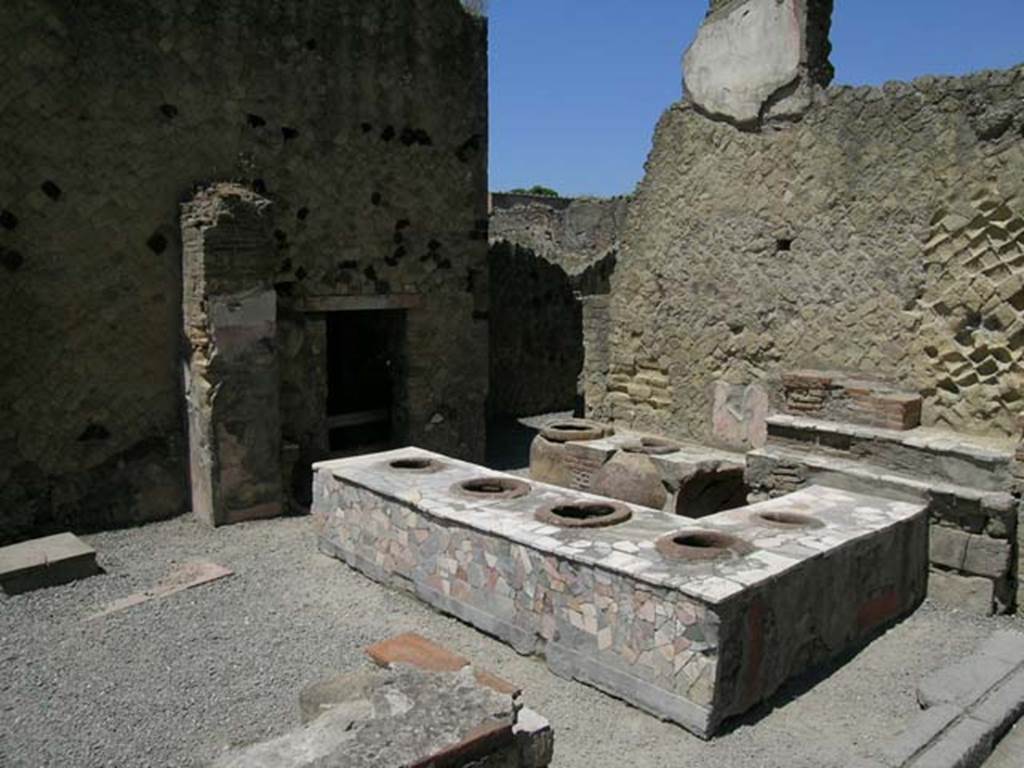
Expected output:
(536, 334)
(365, 125)
(882, 233)
(545, 253)
(573, 233)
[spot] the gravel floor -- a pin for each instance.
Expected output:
(174, 681)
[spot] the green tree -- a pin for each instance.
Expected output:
(536, 189)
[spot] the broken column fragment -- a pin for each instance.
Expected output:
(231, 372)
(758, 60)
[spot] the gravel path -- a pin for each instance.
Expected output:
(174, 681)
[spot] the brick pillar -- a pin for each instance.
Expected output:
(231, 368)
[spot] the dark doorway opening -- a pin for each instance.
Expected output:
(709, 491)
(365, 380)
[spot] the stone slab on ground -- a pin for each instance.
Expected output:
(967, 681)
(45, 562)
(182, 577)
(416, 651)
(398, 717)
(969, 706)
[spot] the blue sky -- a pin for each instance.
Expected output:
(578, 85)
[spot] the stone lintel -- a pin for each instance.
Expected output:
(350, 303)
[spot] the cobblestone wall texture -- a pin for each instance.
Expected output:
(884, 233)
(352, 117)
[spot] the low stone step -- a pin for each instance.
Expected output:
(774, 470)
(968, 708)
(935, 454)
(45, 562)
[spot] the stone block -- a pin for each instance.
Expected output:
(46, 562)
(922, 730)
(534, 738)
(964, 682)
(968, 593)
(1004, 705)
(748, 52)
(947, 547)
(987, 556)
(638, 468)
(965, 744)
(1006, 646)
(970, 705)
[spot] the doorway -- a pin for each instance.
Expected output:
(365, 380)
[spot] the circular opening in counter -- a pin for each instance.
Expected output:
(696, 544)
(583, 514)
(419, 464)
(492, 488)
(570, 430)
(652, 446)
(787, 520)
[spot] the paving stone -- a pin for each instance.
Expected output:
(1005, 645)
(963, 683)
(922, 730)
(1004, 705)
(971, 704)
(965, 745)
(45, 562)
(973, 594)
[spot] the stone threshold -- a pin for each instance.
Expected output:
(968, 707)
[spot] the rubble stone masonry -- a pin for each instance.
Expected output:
(883, 234)
(363, 123)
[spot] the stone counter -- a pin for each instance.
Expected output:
(693, 640)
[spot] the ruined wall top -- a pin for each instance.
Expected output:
(755, 61)
(572, 233)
